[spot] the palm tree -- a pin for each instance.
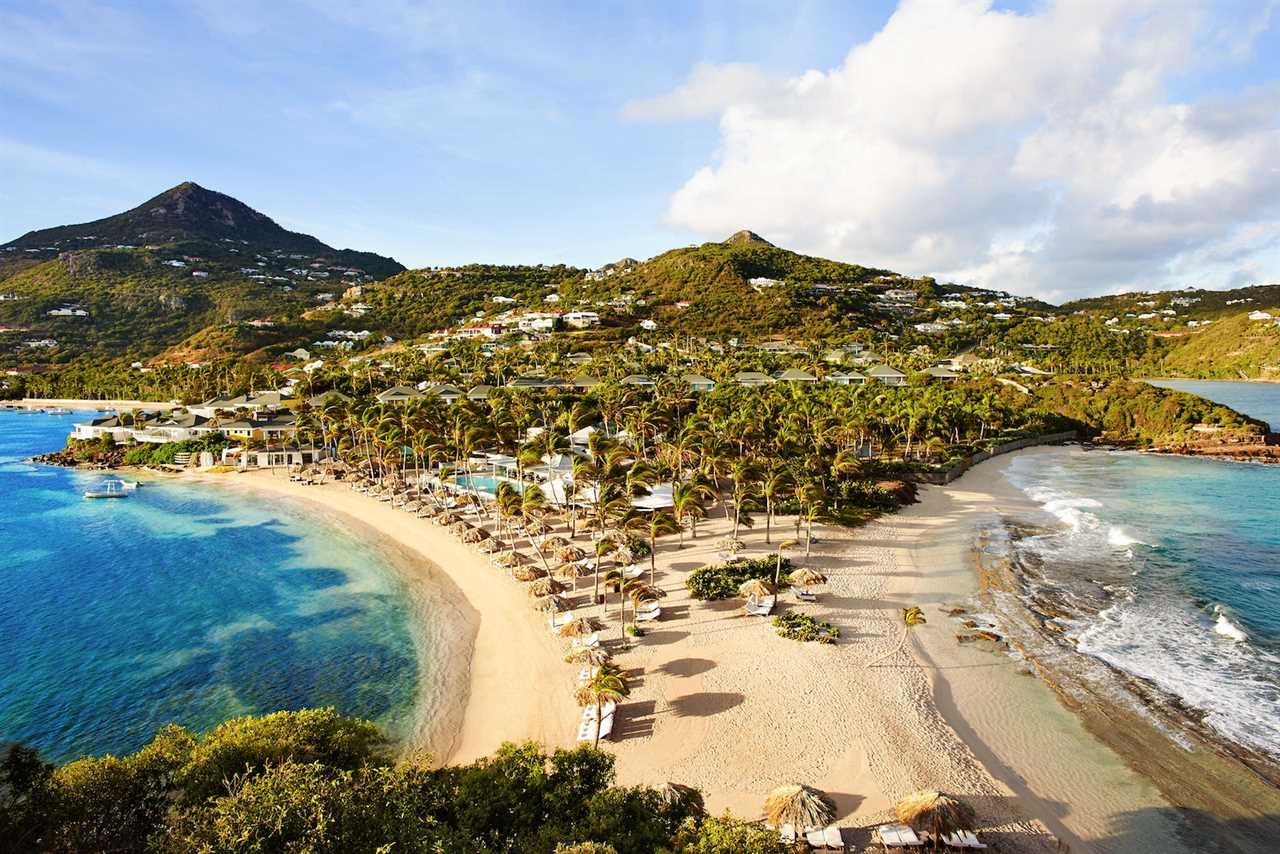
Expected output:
(607, 685)
(651, 526)
(911, 617)
(688, 501)
(773, 486)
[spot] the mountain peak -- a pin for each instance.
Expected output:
(744, 237)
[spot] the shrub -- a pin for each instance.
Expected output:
(721, 581)
(801, 627)
(728, 835)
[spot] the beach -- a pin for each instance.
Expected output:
(79, 403)
(719, 701)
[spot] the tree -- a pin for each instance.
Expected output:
(606, 685)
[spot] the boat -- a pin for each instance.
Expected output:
(58, 410)
(110, 489)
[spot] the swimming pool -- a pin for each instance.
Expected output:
(484, 483)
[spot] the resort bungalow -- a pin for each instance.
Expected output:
(846, 378)
(326, 398)
(752, 378)
(639, 380)
(940, 374)
(446, 392)
(583, 382)
(697, 382)
(479, 393)
(886, 375)
(578, 358)
(278, 457)
(795, 375)
(398, 394)
(273, 428)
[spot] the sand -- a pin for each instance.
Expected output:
(70, 403)
(721, 702)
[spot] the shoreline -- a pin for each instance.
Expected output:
(80, 403)
(705, 711)
(1225, 794)
(506, 697)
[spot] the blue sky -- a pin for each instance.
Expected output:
(451, 132)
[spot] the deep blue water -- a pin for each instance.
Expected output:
(1182, 556)
(180, 604)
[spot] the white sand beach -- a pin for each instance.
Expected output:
(721, 702)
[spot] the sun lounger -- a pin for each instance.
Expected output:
(962, 839)
(815, 838)
(635, 570)
(834, 838)
(648, 615)
(589, 642)
(897, 836)
(761, 607)
(557, 620)
(804, 595)
(787, 833)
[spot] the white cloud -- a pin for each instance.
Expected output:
(34, 158)
(1039, 152)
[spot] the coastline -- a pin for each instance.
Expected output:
(74, 403)
(512, 683)
(720, 702)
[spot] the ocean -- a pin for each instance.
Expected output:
(182, 604)
(1170, 567)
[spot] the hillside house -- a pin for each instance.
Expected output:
(886, 375)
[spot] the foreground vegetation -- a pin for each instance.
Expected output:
(316, 781)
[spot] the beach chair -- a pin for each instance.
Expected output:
(591, 641)
(804, 595)
(834, 838)
(761, 607)
(634, 570)
(648, 614)
(557, 620)
(815, 838)
(896, 836)
(962, 839)
(787, 833)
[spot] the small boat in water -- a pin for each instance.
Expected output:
(58, 410)
(110, 489)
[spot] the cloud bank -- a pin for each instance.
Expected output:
(1040, 153)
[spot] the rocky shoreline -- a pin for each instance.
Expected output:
(1227, 794)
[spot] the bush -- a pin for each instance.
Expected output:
(721, 581)
(794, 625)
(727, 835)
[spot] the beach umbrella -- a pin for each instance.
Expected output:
(460, 527)
(596, 655)
(682, 799)
(450, 519)
(806, 577)
(579, 627)
(509, 559)
(553, 543)
(527, 573)
(570, 553)
(550, 604)
(935, 813)
(799, 806)
(571, 570)
(755, 588)
(546, 587)
(475, 535)
(731, 544)
(491, 545)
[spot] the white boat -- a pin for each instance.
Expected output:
(59, 410)
(110, 489)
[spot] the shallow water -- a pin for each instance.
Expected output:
(184, 604)
(1260, 400)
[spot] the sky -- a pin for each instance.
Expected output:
(1056, 148)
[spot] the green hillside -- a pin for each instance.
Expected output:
(1232, 347)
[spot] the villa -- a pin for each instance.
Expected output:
(698, 383)
(940, 374)
(847, 378)
(639, 380)
(752, 378)
(886, 375)
(795, 375)
(398, 394)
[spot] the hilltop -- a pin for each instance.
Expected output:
(136, 283)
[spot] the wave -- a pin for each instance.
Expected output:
(1226, 628)
(1118, 537)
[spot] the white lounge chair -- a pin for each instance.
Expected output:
(833, 837)
(897, 836)
(815, 838)
(787, 833)
(963, 839)
(589, 642)
(634, 570)
(761, 607)
(557, 620)
(804, 595)
(649, 614)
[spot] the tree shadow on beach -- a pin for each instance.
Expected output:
(687, 667)
(705, 704)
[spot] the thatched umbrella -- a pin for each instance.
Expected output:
(535, 528)
(571, 571)
(527, 573)
(799, 806)
(569, 553)
(509, 559)
(579, 627)
(546, 587)
(449, 519)
(755, 588)
(595, 655)
(935, 813)
(550, 604)
(475, 535)
(806, 577)
(460, 527)
(677, 797)
(490, 546)
(731, 544)
(551, 544)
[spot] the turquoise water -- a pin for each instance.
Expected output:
(1260, 400)
(484, 483)
(1173, 565)
(180, 604)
